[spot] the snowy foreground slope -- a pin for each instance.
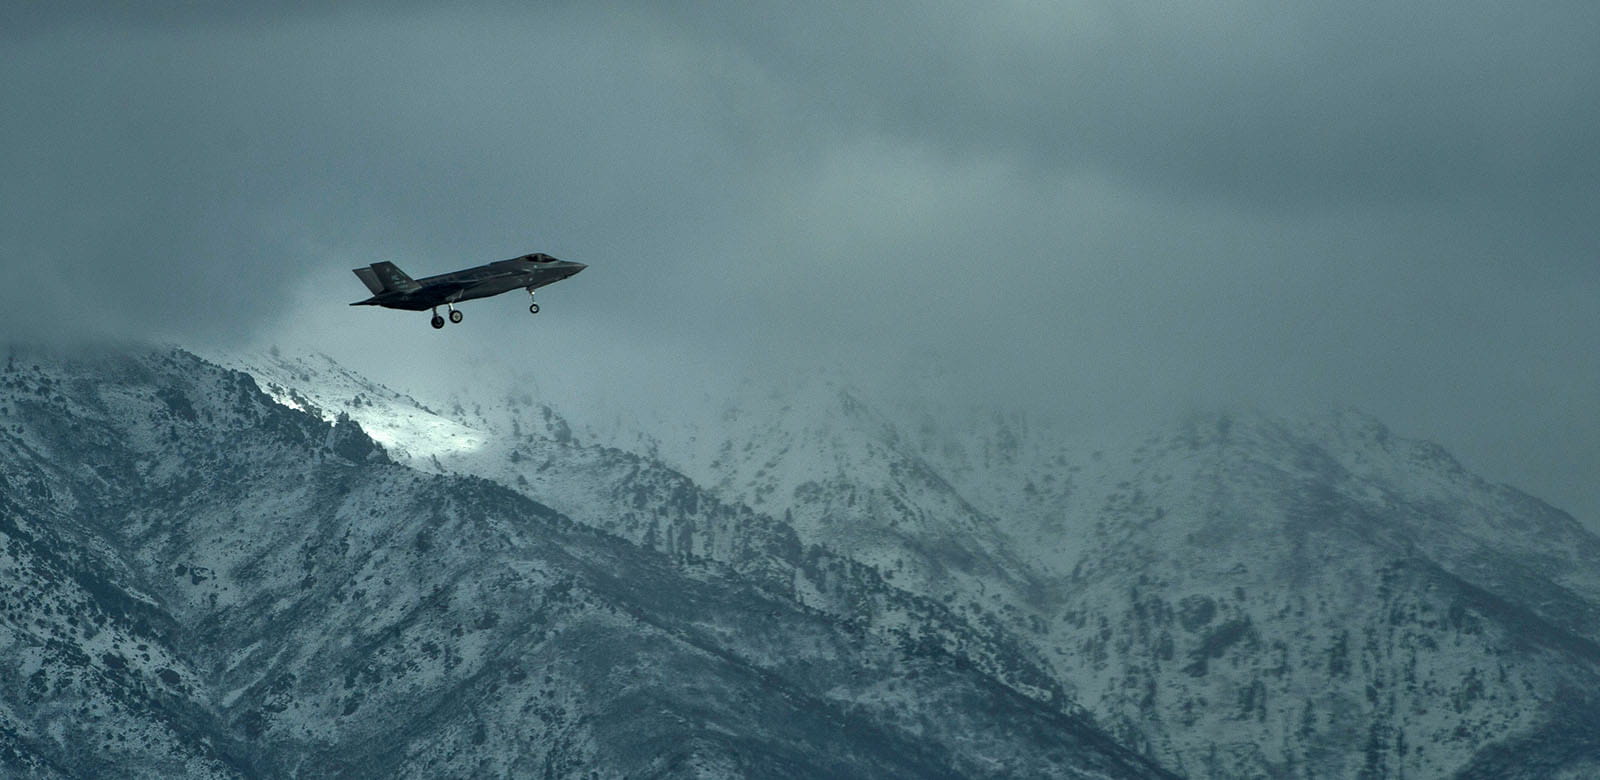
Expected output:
(1236, 595)
(199, 581)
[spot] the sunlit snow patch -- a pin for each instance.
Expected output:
(407, 430)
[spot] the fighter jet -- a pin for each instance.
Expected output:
(393, 289)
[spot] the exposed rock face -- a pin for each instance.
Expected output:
(199, 580)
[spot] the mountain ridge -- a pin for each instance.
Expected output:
(1238, 594)
(303, 590)
(1155, 565)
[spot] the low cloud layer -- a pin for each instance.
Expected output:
(1091, 209)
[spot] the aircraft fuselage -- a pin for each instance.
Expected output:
(528, 272)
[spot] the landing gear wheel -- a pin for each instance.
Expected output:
(533, 308)
(455, 315)
(437, 322)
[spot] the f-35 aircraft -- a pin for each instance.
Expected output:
(391, 287)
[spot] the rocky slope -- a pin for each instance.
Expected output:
(1234, 595)
(1242, 595)
(201, 581)
(526, 445)
(1320, 599)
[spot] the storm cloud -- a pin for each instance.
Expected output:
(1084, 208)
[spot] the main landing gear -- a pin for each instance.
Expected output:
(438, 322)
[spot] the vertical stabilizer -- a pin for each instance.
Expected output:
(369, 278)
(385, 277)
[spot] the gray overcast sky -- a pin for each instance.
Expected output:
(1094, 209)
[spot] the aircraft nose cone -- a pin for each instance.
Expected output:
(573, 268)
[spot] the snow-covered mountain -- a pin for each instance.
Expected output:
(1242, 595)
(200, 580)
(527, 446)
(1320, 598)
(1234, 595)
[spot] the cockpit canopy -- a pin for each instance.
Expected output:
(538, 257)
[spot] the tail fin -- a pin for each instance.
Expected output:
(385, 277)
(369, 278)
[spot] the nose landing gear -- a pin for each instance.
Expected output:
(533, 306)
